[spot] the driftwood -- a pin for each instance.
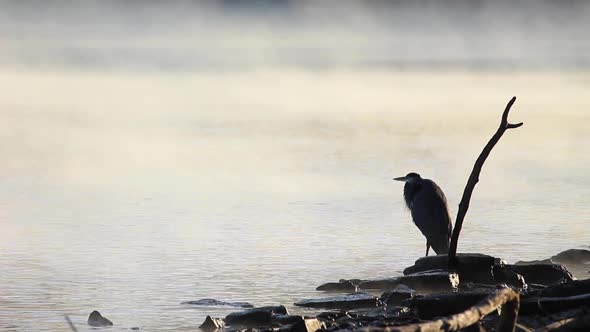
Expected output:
(474, 178)
(581, 323)
(506, 298)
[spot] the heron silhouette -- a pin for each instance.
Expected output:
(428, 206)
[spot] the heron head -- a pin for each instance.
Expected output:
(410, 177)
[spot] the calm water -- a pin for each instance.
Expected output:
(130, 193)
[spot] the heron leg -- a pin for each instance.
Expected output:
(427, 247)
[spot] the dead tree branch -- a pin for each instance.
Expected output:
(506, 298)
(474, 178)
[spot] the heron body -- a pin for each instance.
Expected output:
(428, 205)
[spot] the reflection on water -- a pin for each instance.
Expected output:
(130, 194)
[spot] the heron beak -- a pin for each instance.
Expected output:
(401, 178)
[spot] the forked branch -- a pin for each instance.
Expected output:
(474, 178)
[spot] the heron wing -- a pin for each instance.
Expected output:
(430, 213)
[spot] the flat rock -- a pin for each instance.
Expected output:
(542, 274)
(572, 288)
(217, 303)
(212, 324)
(444, 304)
(350, 301)
(96, 319)
(341, 286)
(422, 282)
(255, 317)
(397, 295)
(470, 267)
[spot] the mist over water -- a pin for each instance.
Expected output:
(158, 154)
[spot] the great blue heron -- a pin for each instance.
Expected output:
(428, 205)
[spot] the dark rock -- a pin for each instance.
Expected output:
(341, 286)
(255, 317)
(542, 274)
(350, 301)
(285, 319)
(96, 319)
(572, 288)
(212, 324)
(304, 325)
(213, 302)
(444, 304)
(534, 262)
(397, 295)
(572, 256)
(470, 267)
(504, 275)
(331, 315)
(422, 282)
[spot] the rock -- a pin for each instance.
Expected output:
(422, 282)
(572, 256)
(470, 267)
(542, 274)
(212, 324)
(213, 302)
(444, 304)
(504, 275)
(331, 316)
(572, 288)
(397, 295)
(96, 319)
(534, 262)
(304, 325)
(341, 286)
(255, 317)
(285, 319)
(350, 301)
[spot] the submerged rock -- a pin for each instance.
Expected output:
(96, 319)
(341, 286)
(255, 317)
(350, 301)
(213, 302)
(422, 282)
(212, 324)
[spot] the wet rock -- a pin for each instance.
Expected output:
(350, 301)
(542, 274)
(331, 316)
(255, 317)
(212, 324)
(422, 282)
(341, 286)
(572, 256)
(96, 319)
(397, 295)
(213, 302)
(444, 304)
(505, 275)
(567, 289)
(285, 319)
(470, 267)
(304, 325)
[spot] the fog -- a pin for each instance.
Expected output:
(211, 35)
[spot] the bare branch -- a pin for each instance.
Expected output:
(506, 298)
(474, 178)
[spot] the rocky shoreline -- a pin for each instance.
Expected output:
(532, 296)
